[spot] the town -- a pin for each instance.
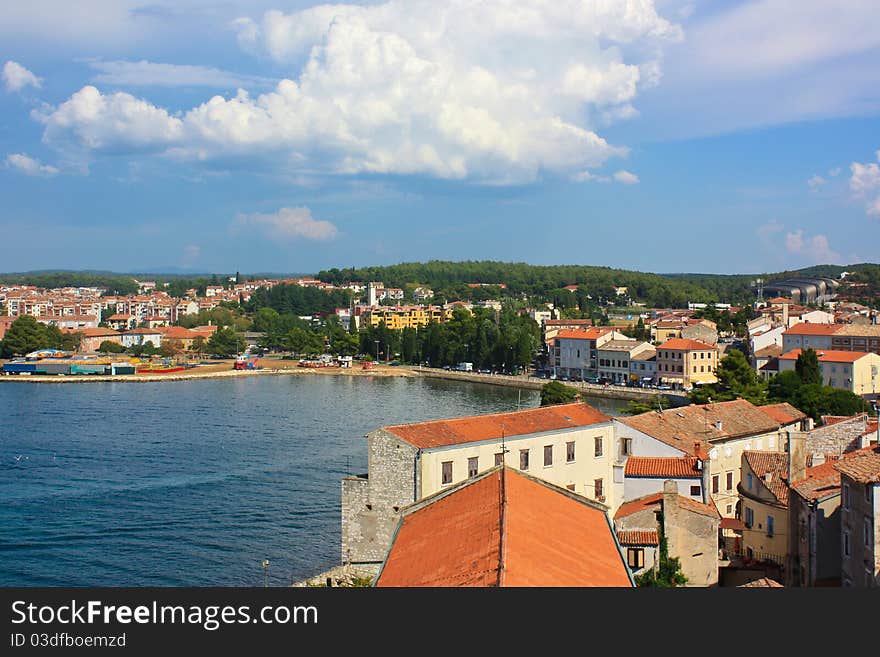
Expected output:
(750, 459)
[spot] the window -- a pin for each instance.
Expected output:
(749, 480)
(770, 523)
(569, 452)
(626, 446)
(523, 459)
(846, 496)
(447, 472)
(729, 509)
(597, 489)
(715, 482)
(729, 481)
(548, 455)
(635, 558)
(846, 550)
(750, 517)
(473, 466)
(695, 491)
(598, 446)
(867, 532)
(499, 458)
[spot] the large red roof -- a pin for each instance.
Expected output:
(584, 334)
(505, 529)
(808, 328)
(682, 344)
(476, 428)
(828, 355)
(662, 466)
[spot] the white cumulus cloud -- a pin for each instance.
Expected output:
(289, 223)
(16, 77)
(29, 165)
(626, 177)
(864, 182)
(816, 182)
(815, 248)
(492, 91)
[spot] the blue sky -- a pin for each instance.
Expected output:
(223, 135)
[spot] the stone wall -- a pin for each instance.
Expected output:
(838, 438)
(371, 505)
(693, 538)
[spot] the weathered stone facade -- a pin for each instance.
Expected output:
(860, 533)
(692, 537)
(371, 504)
(838, 438)
(814, 540)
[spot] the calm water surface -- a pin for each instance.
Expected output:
(194, 483)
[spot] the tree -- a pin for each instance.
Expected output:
(736, 380)
(555, 392)
(172, 347)
(225, 342)
(109, 347)
(638, 406)
(667, 571)
(807, 367)
(25, 335)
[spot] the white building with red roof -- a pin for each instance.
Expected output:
(856, 371)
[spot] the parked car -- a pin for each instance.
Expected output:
(394, 363)
(664, 386)
(593, 379)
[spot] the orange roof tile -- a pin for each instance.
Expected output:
(504, 528)
(476, 428)
(97, 332)
(683, 344)
(584, 334)
(820, 481)
(783, 413)
(656, 499)
(774, 464)
(680, 427)
(763, 582)
(828, 355)
(807, 328)
(862, 466)
(658, 466)
(638, 537)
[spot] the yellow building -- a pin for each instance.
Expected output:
(400, 317)
(686, 362)
(856, 371)
(763, 493)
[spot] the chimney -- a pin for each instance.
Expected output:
(670, 496)
(705, 469)
(785, 315)
(718, 424)
(796, 447)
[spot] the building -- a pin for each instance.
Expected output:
(856, 371)
(570, 445)
(504, 528)
(644, 475)
(93, 337)
(690, 528)
(552, 327)
(400, 317)
(860, 519)
(691, 328)
(121, 322)
(814, 528)
(139, 337)
(70, 322)
(185, 336)
(5, 323)
(726, 428)
(685, 363)
(766, 361)
(803, 290)
(643, 367)
(575, 353)
(615, 358)
(763, 493)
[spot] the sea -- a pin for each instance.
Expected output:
(197, 483)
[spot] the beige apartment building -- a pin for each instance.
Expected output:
(684, 363)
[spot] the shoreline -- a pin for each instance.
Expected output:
(217, 374)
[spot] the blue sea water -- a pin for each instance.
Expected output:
(195, 483)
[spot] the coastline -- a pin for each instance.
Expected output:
(213, 374)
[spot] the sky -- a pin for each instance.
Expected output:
(268, 136)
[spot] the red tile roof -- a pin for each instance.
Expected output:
(806, 328)
(584, 334)
(504, 529)
(820, 481)
(680, 427)
(763, 582)
(862, 466)
(142, 331)
(177, 333)
(733, 523)
(476, 428)
(655, 499)
(774, 464)
(638, 537)
(828, 355)
(683, 344)
(97, 332)
(783, 413)
(657, 466)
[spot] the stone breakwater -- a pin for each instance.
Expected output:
(534, 383)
